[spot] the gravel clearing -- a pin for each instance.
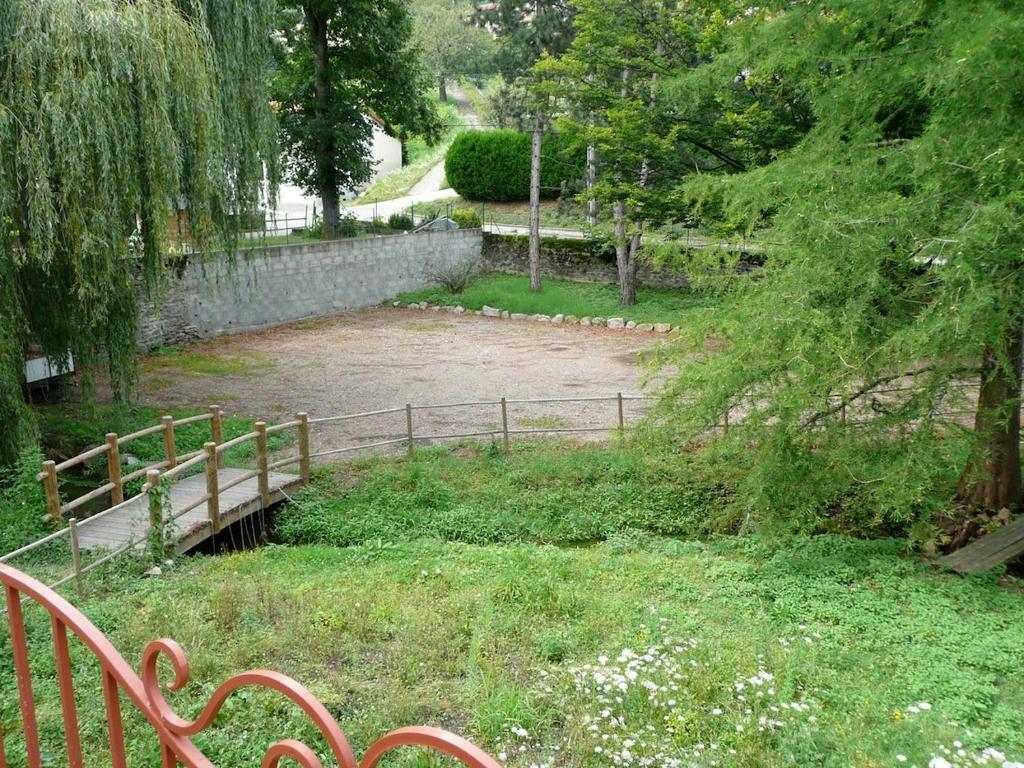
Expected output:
(384, 358)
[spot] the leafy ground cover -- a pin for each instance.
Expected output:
(568, 297)
(538, 493)
(641, 651)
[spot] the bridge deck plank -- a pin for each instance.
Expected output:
(999, 546)
(131, 522)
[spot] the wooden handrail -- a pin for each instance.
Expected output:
(140, 433)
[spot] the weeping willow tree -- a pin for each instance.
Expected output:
(117, 120)
(895, 196)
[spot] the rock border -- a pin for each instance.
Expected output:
(615, 323)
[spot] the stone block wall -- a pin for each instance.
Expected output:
(572, 259)
(215, 294)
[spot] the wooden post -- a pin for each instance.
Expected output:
(76, 556)
(156, 516)
(303, 446)
(114, 468)
(172, 457)
(408, 427)
(213, 503)
(216, 433)
(725, 424)
(622, 417)
(52, 492)
(261, 462)
(504, 423)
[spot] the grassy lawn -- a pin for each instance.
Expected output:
(568, 297)
(539, 493)
(543, 604)
(639, 651)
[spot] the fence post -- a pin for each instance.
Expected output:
(114, 468)
(622, 417)
(303, 446)
(52, 492)
(76, 556)
(156, 516)
(725, 423)
(216, 433)
(504, 423)
(213, 503)
(261, 462)
(408, 427)
(172, 457)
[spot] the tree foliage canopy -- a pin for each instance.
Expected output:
(369, 67)
(448, 44)
(883, 153)
(113, 118)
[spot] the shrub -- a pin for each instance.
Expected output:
(401, 221)
(348, 226)
(454, 277)
(466, 218)
(494, 166)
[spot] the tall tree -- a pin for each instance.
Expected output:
(94, 165)
(527, 30)
(608, 87)
(338, 61)
(890, 150)
(448, 44)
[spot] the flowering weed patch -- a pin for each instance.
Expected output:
(642, 652)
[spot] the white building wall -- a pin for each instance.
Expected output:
(386, 152)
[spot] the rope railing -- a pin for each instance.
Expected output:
(160, 475)
(208, 460)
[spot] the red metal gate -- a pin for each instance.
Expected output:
(145, 693)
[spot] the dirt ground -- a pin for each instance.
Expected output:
(384, 358)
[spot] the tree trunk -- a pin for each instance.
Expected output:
(324, 143)
(993, 480)
(625, 255)
(442, 88)
(591, 178)
(535, 204)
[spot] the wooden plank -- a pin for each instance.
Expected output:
(132, 520)
(999, 546)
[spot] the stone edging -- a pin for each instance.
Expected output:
(597, 322)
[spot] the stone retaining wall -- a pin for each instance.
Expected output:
(572, 259)
(214, 295)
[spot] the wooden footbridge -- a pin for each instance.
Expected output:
(184, 499)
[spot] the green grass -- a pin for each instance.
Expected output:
(202, 363)
(567, 297)
(486, 639)
(543, 494)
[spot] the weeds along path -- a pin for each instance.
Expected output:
(371, 360)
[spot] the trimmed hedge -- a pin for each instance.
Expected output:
(494, 166)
